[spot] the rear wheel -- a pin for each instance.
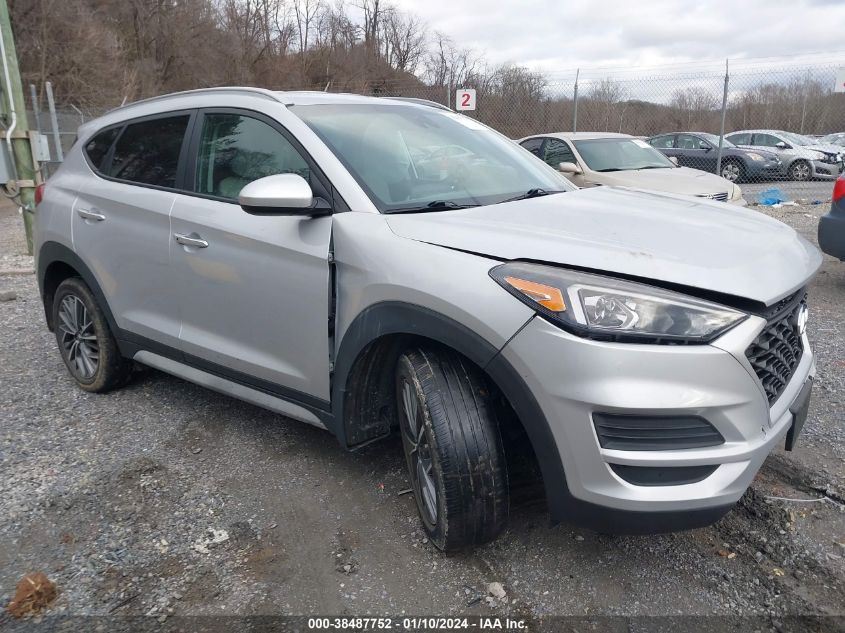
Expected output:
(453, 448)
(800, 170)
(85, 341)
(733, 170)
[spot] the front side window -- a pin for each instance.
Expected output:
(620, 154)
(557, 152)
(147, 152)
(410, 158)
(766, 140)
(688, 141)
(235, 149)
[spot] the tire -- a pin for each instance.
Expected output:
(85, 340)
(732, 170)
(452, 445)
(800, 170)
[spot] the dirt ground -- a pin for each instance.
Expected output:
(168, 500)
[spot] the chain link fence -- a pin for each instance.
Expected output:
(783, 122)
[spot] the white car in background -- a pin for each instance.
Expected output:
(589, 159)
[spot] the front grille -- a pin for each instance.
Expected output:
(721, 197)
(777, 350)
(654, 432)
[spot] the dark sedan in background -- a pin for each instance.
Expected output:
(832, 225)
(700, 150)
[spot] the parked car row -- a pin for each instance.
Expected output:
(700, 150)
(749, 155)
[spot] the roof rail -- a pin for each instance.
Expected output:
(425, 102)
(263, 92)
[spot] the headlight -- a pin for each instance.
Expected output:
(605, 308)
(736, 193)
(818, 155)
(755, 156)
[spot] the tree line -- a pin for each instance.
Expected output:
(101, 53)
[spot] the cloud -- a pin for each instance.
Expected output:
(555, 36)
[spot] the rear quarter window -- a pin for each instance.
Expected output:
(98, 147)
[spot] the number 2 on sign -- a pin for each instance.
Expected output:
(465, 99)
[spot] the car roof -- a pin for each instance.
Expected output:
(579, 136)
(205, 97)
(759, 131)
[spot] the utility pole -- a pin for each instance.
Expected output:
(17, 128)
(722, 127)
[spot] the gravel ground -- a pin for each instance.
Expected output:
(165, 499)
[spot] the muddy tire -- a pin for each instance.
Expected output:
(85, 340)
(453, 448)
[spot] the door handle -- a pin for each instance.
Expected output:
(90, 215)
(188, 240)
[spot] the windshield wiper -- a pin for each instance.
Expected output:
(531, 193)
(435, 205)
(655, 167)
(613, 169)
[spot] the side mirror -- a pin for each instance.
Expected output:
(782, 145)
(707, 148)
(281, 194)
(569, 168)
(674, 159)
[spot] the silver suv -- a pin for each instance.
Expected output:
(335, 259)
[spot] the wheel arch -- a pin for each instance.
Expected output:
(363, 401)
(57, 262)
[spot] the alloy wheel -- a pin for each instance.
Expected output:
(730, 172)
(801, 171)
(77, 337)
(418, 452)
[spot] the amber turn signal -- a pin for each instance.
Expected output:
(547, 296)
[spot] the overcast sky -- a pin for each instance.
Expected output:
(559, 35)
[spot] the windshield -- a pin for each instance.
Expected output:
(409, 157)
(713, 139)
(797, 139)
(618, 154)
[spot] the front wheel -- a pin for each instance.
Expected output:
(800, 170)
(453, 448)
(732, 170)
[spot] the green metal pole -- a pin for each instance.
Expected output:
(21, 149)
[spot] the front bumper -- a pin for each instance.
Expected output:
(826, 171)
(572, 378)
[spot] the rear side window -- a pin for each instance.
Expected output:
(148, 151)
(97, 148)
(663, 142)
(533, 146)
(743, 138)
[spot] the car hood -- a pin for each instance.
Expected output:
(672, 180)
(663, 237)
(827, 148)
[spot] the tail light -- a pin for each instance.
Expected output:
(839, 189)
(39, 194)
